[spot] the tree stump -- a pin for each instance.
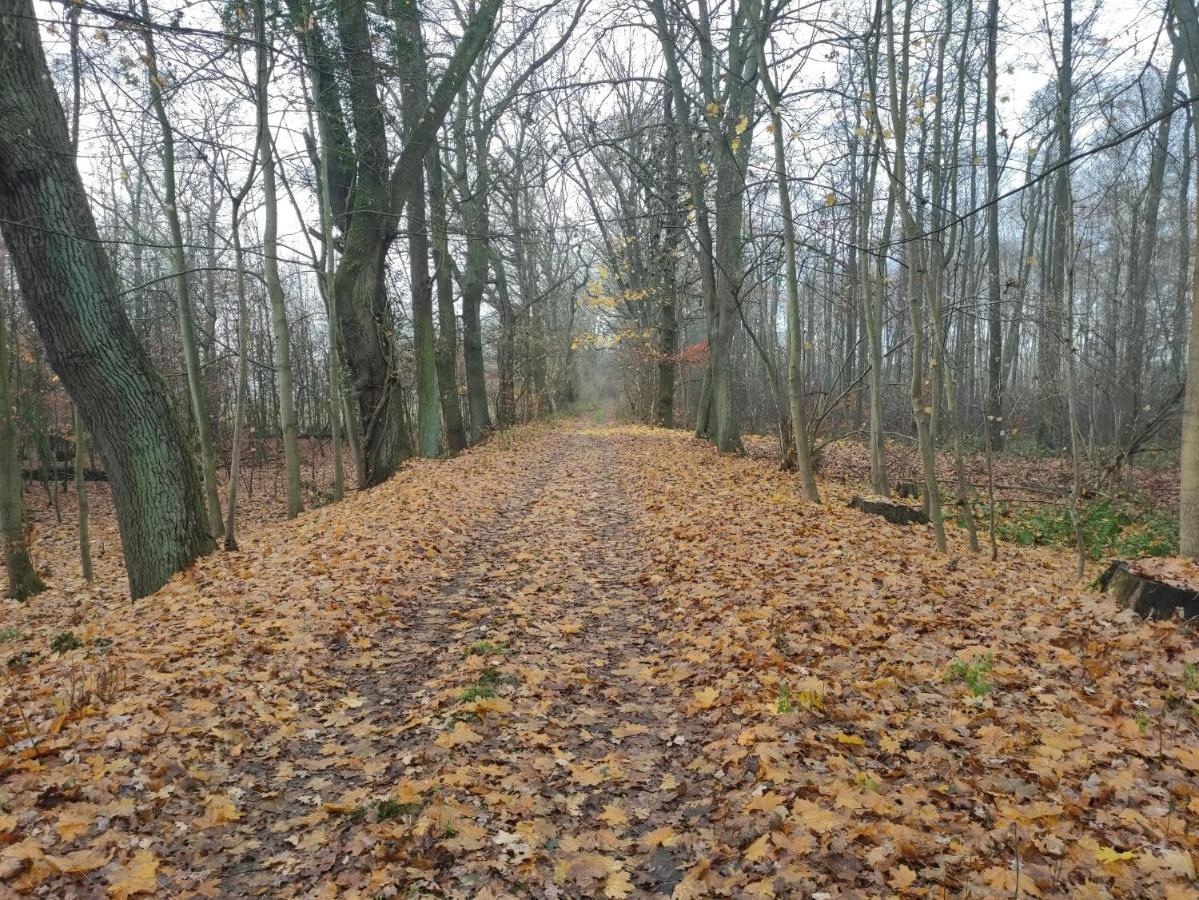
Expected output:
(1146, 595)
(895, 513)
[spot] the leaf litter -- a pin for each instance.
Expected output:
(602, 662)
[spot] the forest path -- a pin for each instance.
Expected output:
(602, 662)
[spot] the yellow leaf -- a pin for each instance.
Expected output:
(75, 820)
(1108, 855)
(7, 824)
(758, 849)
(617, 885)
(735, 143)
(352, 700)
(218, 810)
(140, 876)
(815, 817)
(28, 849)
(851, 740)
(659, 837)
(484, 705)
(902, 878)
(703, 168)
(713, 109)
(767, 803)
(830, 199)
(742, 125)
(462, 734)
(77, 862)
(614, 815)
(705, 698)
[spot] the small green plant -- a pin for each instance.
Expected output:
(476, 692)
(862, 780)
(1190, 677)
(65, 641)
(486, 648)
(21, 660)
(393, 809)
(11, 634)
(785, 704)
(1143, 722)
(972, 674)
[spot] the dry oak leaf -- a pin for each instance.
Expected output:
(140, 876)
(705, 698)
(462, 734)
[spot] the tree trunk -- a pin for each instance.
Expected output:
(197, 388)
(71, 291)
(270, 271)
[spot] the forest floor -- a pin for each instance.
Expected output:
(587, 661)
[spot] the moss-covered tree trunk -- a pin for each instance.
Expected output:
(70, 289)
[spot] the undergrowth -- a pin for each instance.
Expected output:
(1110, 527)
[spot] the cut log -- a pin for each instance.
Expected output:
(895, 513)
(1147, 596)
(63, 473)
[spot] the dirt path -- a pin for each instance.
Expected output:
(602, 662)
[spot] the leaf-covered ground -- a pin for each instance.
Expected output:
(599, 662)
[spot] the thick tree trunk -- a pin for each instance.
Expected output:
(71, 291)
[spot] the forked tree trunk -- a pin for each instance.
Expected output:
(70, 288)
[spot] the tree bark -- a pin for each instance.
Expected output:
(70, 289)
